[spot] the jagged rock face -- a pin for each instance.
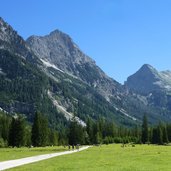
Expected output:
(58, 49)
(11, 41)
(153, 86)
(147, 79)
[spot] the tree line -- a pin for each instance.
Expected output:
(17, 132)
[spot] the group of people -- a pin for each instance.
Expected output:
(73, 147)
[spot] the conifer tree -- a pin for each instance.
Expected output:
(165, 135)
(17, 132)
(145, 135)
(160, 135)
(39, 130)
(76, 133)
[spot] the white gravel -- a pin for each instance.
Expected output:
(18, 162)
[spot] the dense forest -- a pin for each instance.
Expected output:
(15, 131)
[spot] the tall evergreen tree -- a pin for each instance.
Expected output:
(154, 138)
(39, 130)
(53, 137)
(145, 135)
(17, 132)
(165, 135)
(76, 133)
(160, 135)
(4, 126)
(89, 130)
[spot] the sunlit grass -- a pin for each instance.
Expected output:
(15, 153)
(108, 158)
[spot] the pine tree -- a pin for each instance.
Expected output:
(145, 135)
(39, 130)
(53, 137)
(17, 136)
(165, 135)
(160, 135)
(168, 127)
(76, 133)
(89, 130)
(154, 136)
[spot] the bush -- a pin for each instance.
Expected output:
(3, 143)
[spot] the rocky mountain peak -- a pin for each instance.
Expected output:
(8, 34)
(148, 79)
(11, 41)
(147, 69)
(144, 79)
(59, 49)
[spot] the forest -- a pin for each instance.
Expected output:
(15, 131)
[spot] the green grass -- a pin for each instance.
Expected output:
(108, 158)
(16, 153)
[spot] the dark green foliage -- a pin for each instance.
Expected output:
(39, 130)
(4, 126)
(165, 135)
(155, 135)
(145, 133)
(17, 134)
(76, 133)
(168, 128)
(160, 135)
(53, 137)
(21, 81)
(4, 129)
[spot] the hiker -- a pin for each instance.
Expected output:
(73, 147)
(69, 147)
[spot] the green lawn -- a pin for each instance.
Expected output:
(16, 153)
(108, 158)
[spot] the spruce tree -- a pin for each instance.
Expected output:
(53, 137)
(160, 135)
(17, 136)
(145, 135)
(165, 135)
(76, 133)
(39, 130)
(154, 136)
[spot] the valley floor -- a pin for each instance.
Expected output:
(109, 158)
(19, 162)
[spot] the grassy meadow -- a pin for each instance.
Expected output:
(16, 153)
(108, 158)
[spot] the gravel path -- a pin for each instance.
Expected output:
(18, 162)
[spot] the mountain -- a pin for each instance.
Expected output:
(51, 74)
(61, 56)
(154, 87)
(148, 79)
(23, 86)
(60, 90)
(59, 50)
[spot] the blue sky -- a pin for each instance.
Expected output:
(120, 35)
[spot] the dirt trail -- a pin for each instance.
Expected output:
(18, 162)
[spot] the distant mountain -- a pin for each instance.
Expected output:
(153, 86)
(148, 79)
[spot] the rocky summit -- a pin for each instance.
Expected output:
(52, 75)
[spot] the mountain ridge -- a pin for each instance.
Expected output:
(77, 85)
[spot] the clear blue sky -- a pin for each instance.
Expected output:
(120, 35)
